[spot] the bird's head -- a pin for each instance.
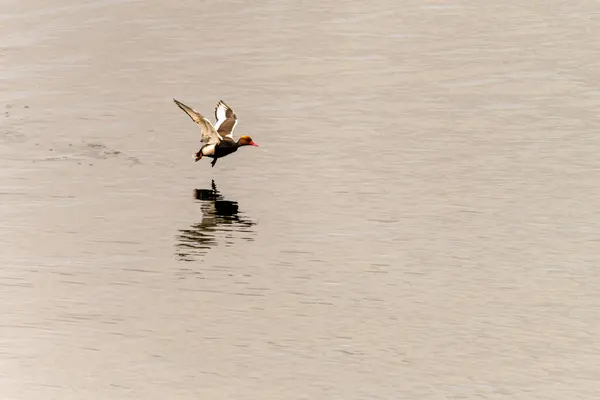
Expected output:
(246, 141)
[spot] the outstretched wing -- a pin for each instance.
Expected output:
(209, 133)
(226, 119)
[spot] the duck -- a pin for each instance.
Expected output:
(217, 140)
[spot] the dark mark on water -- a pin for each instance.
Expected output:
(106, 152)
(86, 151)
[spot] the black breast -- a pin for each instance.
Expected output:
(226, 146)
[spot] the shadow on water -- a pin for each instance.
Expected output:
(221, 225)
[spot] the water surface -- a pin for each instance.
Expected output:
(420, 220)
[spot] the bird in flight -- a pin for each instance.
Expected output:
(217, 140)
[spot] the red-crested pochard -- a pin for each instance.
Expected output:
(217, 141)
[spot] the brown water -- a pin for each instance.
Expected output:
(420, 221)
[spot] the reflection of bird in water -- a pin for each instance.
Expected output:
(221, 224)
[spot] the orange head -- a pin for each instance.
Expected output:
(246, 141)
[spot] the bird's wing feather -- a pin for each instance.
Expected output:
(209, 133)
(226, 119)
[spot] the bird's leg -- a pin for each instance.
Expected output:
(214, 162)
